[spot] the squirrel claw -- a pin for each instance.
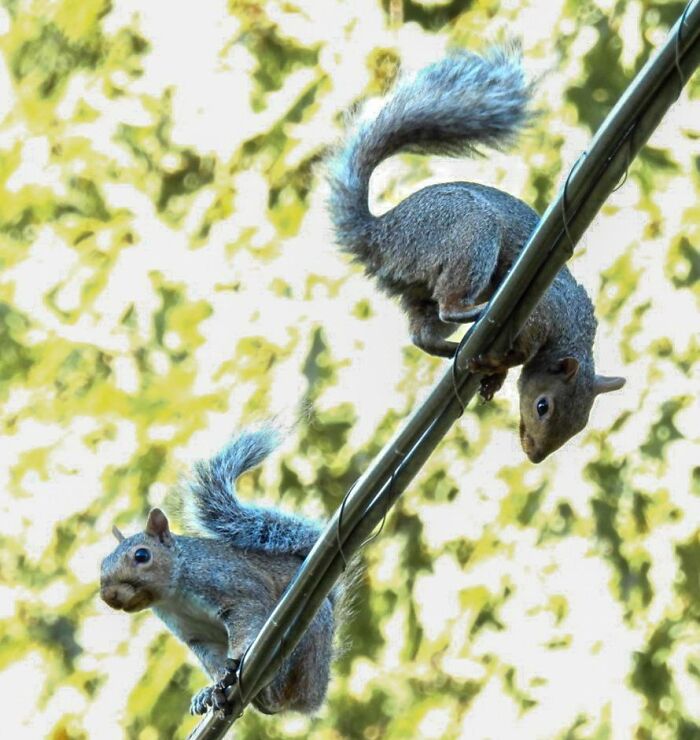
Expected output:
(489, 385)
(218, 698)
(201, 701)
(214, 696)
(493, 374)
(230, 676)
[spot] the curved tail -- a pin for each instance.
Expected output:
(215, 508)
(450, 107)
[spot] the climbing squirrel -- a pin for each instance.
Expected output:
(215, 592)
(445, 249)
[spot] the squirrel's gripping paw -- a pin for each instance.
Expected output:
(493, 372)
(486, 364)
(215, 695)
(490, 384)
(201, 701)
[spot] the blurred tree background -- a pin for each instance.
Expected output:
(167, 274)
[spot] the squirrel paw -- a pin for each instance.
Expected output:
(490, 384)
(493, 374)
(436, 346)
(230, 673)
(486, 364)
(214, 696)
(201, 701)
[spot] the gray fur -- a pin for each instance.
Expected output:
(215, 593)
(444, 249)
(217, 511)
(450, 107)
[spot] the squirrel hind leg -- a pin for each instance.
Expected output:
(466, 279)
(435, 345)
(302, 681)
(427, 331)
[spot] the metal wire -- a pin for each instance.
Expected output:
(564, 215)
(455, 372)
(628, 161)
(679, 33)
(341, 513)
(392, 481)
(239, 679)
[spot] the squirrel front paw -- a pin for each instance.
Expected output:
(215, 695)
(490, 384)
(486, 364)
(493, 372)
(202, 700)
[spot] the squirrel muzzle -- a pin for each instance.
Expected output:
(126, 597)
(530, 446)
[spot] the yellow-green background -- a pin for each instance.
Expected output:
(167, 274)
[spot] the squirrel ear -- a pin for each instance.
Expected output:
(117, 533)
(157, 525)
(568, 367)
(606, 384)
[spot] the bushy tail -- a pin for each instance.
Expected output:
(215, 508)
(451, 107)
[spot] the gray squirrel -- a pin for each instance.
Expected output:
(444, 249)
(214, 592)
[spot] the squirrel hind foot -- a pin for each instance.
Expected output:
(429, 338)
(466, 315)
(435, 346)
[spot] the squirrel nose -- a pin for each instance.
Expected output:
(530, 447)
(110, 595)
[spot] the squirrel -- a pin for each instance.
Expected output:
(444, 249)
(215, 592)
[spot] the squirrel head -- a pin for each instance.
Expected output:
(555, 402)
(140, 570)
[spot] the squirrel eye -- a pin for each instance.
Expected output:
(142, 555)
(542, 406)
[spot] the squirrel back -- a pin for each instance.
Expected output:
(213, 507)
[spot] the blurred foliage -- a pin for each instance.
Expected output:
(167, 274)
